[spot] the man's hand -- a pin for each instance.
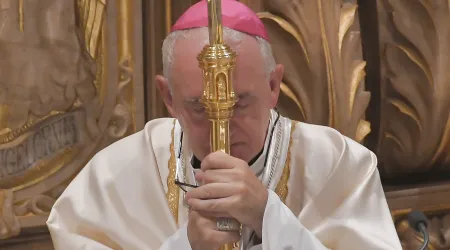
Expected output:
(203, 234)
(229, 189)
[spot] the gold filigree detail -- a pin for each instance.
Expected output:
(91, 16)
(126, 54)
(444, 144)
(3, 119)
(13, 134)
(9, 224)
(289, 28)
(21, 16)
(346, 21)
(173, 192)
(122, 117)
(329, 69)
(289, 93)
(407, 110)
(282, 189)
(168, 8)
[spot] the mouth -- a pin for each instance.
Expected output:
(234, 144)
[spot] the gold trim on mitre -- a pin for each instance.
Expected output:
(173, 193)
(282, 187)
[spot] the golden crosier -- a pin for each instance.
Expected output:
(217, 61)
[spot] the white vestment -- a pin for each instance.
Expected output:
(324, 193)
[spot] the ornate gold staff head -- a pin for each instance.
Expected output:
(217, 61)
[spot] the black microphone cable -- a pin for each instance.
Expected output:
(418, 221)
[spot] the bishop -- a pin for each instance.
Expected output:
(291, 185)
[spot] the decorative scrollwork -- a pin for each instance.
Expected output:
(9, 224)
(318, 42)
(10, 214)
(91, 14)
(415, 83)
(121, 118)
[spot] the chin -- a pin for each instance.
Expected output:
(241, 152)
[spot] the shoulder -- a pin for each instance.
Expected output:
(134, 150)
(326, 149)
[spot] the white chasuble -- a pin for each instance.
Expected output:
(324, 193)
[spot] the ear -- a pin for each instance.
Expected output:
(276, 77)
(163, 86)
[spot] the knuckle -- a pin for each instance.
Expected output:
(241, 176)
(234, 237)
(242, 188)
(207, 161)
(193, 207)
(207, 177)
(208, 236)
(192, 214)
(212, 206)
(207, 193)
(198, 224)
(242, 163)
(228, 237)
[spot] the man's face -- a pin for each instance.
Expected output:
(257, 93)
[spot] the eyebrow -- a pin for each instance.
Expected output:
(193, 100)
(196, 100)
(244, 95)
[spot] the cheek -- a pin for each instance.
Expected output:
(196, 126)
(250, 126)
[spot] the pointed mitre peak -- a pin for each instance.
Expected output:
(235, 15)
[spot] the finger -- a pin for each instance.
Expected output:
(220, 238)
(214, 215)
(208, 228)
(212, 191)
(223, 205)
(206, 218)
(217, 176)
(219, 160)
(199, 176)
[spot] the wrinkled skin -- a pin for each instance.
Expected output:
(228, 186)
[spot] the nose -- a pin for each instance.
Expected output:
(233, 126)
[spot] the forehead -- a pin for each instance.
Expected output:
(186, 74)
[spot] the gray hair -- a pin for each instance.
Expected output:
(233, 35)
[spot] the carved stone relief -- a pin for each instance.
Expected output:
(68, 87)
(319, 44)
(415, 85)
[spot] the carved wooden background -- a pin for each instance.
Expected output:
(71, 83)
(375, 70)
